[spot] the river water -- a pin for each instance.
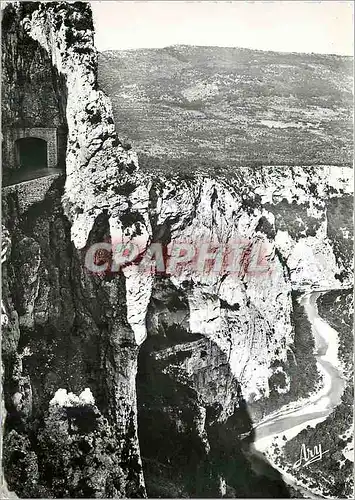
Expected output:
(290, 421)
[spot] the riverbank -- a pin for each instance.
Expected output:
(276, 430)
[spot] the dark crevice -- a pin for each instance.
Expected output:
(189, 444)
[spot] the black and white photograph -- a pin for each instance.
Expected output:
(177, 249)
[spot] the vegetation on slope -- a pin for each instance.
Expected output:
(181, 106)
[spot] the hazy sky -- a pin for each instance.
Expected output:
(295, 26)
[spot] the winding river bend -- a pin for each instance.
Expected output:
(290, 420)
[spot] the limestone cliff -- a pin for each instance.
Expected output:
(58, 313)
(204, 343)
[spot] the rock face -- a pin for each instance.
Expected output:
(57, 313)
(33, 92)
(204, 343)
(65, 331)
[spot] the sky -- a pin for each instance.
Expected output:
(291, 26)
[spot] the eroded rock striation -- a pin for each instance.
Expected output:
(204, 343)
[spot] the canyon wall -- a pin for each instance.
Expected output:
(81, 422)
(71, 416)
(33, 92)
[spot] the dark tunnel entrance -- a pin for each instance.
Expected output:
(31, 153)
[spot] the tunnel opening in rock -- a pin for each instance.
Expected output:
(31, 153)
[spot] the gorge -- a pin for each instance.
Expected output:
(134, 384)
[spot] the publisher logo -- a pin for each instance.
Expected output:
(309, 456)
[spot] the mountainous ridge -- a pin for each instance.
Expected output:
(214, 109)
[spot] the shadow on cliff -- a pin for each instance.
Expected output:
(195, 430)
(61, 335)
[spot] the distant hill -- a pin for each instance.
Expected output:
(185, 107)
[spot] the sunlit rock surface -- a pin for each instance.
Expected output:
(204, 344)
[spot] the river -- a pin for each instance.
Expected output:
(291, 419)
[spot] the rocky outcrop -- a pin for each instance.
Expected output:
(65, 332)
(33, 92)
(208, 339)
(55, 308)
(97, 166)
